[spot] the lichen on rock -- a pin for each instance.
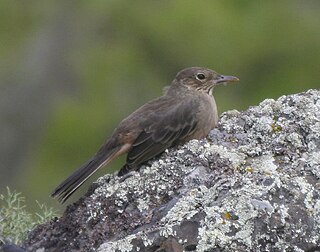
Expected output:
(252, 185)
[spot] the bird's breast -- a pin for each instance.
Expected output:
(207, 116)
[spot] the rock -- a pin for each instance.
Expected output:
(252, 185)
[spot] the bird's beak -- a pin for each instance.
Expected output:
(225, 78)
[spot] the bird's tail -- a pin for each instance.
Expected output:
(75, 180)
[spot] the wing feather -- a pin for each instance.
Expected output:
(161, 132)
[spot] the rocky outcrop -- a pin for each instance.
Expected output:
(252, 185)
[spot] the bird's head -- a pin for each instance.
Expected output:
(201, 79)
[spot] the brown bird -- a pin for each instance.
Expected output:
(186, 111)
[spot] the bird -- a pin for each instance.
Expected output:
(187, 110)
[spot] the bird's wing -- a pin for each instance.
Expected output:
(163, 130)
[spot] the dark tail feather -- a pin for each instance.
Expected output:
(75, 180)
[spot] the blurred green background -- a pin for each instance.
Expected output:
(71, 70)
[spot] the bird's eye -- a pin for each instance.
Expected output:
(200, 76)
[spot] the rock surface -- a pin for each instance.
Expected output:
(252, 185)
